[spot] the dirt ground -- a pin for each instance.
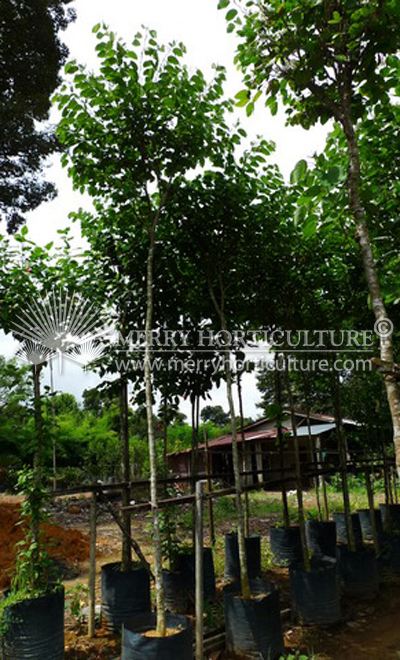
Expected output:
(370, 631)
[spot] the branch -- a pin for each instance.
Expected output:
(322, 96)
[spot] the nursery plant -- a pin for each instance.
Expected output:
(24, 619)
(131, 132)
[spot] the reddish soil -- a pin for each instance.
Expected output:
(68, 546)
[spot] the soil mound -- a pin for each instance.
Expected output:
(68, 546)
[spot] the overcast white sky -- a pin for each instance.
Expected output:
(201, 27)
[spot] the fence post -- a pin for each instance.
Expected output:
(199, 570)
(92, 567)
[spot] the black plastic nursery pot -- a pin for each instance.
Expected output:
(341, 529)
(253, 556)
(394, 511)
(187, 564)
(35, 628)
(321, 537)
(358, 572)
(253, 626)
(285, 544)
(390, 553)
(123, 593)
(136, 646)
(315, 594)
(178, 591)
(366, 526)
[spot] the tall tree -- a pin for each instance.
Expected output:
(31, 55)
(329, 60)
(132, 132)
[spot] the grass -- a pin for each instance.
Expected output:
(265, 505)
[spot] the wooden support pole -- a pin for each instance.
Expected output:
(92, 568)
(199, 570)
(134, 544)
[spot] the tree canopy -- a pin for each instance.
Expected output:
(31, 55)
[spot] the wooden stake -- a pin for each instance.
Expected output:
(92, 568)
(199, 570)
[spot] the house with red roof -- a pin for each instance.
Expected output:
(262, 458)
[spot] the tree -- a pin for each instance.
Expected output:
(31, 55)
(15, 406)
(214, 414)
(132, 132)
(329, 60)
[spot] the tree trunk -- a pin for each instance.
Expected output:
(371, 506)
(383, 323)
(244, 578)
(278, 402)
(161, 622)
(54, 426)
(342, 459)
(37, 467)
(209, 486)
(299, 489)
(126, 560)
(312, 446)
(244, 450)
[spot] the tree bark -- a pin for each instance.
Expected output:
(37, 468)
(371, 275)
(244, 578)
(244, 450)
(126, 560)
(160, 600)
(209, 486)
(342, 459)
(278, 401)
(299, 489)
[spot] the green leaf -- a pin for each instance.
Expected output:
(244, 94)
(272, 103)
(250, 108)
(223, 4)
(231, 14)
(310, 227)
(336, 18)
(298, 172)
(96, 28)
(333, 174)
(24, 230)
(299, 215)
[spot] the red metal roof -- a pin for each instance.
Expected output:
(226, 440)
